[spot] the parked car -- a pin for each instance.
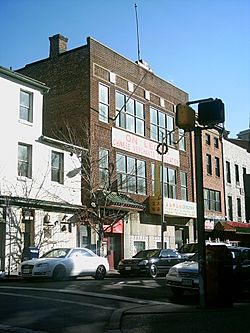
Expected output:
(62, 263)
(151, 262)
(185, 275)
(189, 249)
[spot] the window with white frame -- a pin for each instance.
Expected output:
(131, 174)
(24, 160)
(130, 114)
(139, 246)
(57, 167)
(169, 179)
(161, 126)
(212, 200)
(103, 103)
(182, 139)
(26, 106)
(184, 190)
(104, 168)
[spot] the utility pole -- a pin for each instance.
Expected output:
(210, 113)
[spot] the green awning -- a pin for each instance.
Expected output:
(123, 202)
(48, 206)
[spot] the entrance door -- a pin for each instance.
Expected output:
(114, 242)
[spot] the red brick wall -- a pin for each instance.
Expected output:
(73, 78)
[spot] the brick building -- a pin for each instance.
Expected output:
(121, 111)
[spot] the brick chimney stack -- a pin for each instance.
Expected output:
(58, 45)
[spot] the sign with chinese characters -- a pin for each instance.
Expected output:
(180, 208)
(155, 205)
(143, 147)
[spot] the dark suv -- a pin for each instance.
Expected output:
(149, 262)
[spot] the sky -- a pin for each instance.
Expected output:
(200, 46)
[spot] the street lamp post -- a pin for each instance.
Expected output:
(162, 149)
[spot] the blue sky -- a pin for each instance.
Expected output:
(201, 46)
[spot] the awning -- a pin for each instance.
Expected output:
(122, 201)
(49, 206)
(236, 227)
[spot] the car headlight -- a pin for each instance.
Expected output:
(121, 263)
(143, 262)
(173, 272)
(43, 264)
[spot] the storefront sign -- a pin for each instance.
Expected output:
(143, 147)
(179, 208)
(209, 225)
(155, 205)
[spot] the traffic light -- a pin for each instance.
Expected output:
(185, 117)
(211, 112)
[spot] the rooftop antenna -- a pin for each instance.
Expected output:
(137, 31)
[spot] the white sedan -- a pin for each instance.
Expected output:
(62, 263)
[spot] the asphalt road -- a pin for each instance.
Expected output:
(83, 305)
(86, 305)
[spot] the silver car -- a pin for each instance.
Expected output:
(62, 263)
(185, 275)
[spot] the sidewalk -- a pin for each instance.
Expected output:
(174, 318)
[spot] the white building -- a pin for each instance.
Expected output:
(236, 164)
(38, 195)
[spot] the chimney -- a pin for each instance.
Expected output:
(58, 45)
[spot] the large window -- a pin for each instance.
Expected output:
(230, 208)
(103, 168)
(130, 114)
(182, 139)
(161, 124)
(103, 103)
(25, 110)
(239, 208)
(169, 178)
(228, 172)
(184, 190)
(209, 164)
(24, 160)
(217, 166)
(131, 174)
(212, 200)
(237, 175)
(57, 167)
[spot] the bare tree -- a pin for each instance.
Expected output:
(99, 182)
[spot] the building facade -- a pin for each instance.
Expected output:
(123, 112)
(37, 198)
(237, 166)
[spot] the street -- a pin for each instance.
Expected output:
(87, 305)
(81, 305)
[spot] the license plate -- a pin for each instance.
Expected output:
(128, 268)
(26, 271)
(187, 282)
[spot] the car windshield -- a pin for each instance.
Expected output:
(56, 253)
(147, 254)
(189, 248)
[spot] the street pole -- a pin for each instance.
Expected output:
(200, 216)
(162, 194)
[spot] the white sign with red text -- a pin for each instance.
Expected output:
(180, 208)
(143, 147)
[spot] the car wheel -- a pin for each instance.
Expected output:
(153, 271)
(100, 272)
(177, 291)
(59, 273)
